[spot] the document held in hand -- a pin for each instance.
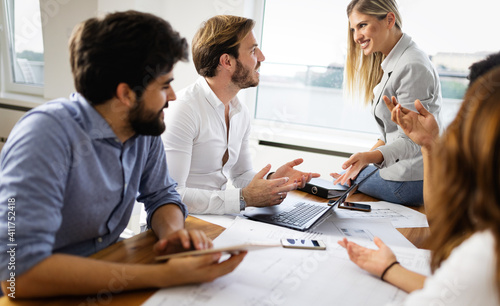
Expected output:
(323, 188)
(233, 249)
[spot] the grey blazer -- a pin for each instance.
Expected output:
(408, 75)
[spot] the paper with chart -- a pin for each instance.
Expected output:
(350, 228)
(282, 276)
(359, 229)
(400, 216)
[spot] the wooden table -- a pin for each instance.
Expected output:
(138, 249)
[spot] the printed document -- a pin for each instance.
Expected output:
(400, 216)
(279, 276)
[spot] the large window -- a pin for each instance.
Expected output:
(305, 48)
(23, 54)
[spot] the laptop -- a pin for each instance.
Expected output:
(299, 214)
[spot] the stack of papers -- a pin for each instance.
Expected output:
(279, 276)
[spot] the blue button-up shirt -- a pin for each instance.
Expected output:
(68, 184)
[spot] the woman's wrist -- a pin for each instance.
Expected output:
(375, 157)
(389, 267)
(404, 279)
(427, 149)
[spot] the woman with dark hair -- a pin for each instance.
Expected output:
(463, 209)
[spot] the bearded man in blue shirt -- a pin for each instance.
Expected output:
(73, 168)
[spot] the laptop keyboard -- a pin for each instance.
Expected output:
(299, 215)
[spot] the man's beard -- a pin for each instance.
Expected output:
(242, 77)
(144, 122)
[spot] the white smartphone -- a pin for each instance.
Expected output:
(303, 244)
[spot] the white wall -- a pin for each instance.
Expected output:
(8, 119)
(62, 18)
(185, 16)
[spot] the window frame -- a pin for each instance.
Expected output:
(8, 84)
(331, 140)
(307, 136)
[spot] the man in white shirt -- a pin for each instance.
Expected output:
(206, 140)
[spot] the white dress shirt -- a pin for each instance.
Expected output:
(467, 277)
(195, 141)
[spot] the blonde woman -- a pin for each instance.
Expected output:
(384, 61)
(463, 208)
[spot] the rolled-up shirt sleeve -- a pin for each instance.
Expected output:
(33, 171)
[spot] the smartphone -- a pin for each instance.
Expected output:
(303, 244)
(355, 206)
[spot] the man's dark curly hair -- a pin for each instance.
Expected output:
(124, 47)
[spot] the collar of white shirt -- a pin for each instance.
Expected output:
(212, 98)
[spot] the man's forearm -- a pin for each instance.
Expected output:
(62, 274)
(166, 220)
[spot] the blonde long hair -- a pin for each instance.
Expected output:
(466, 196)
(363, 72)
